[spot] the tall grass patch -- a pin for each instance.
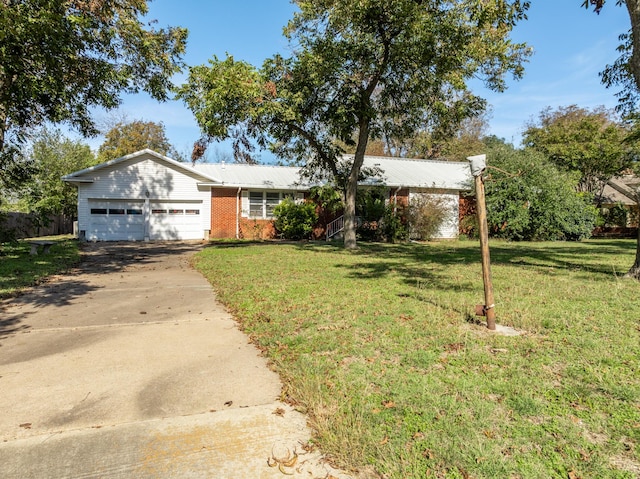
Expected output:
(380, 347)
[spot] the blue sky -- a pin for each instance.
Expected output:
(571, 46)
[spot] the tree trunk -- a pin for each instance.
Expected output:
(352, 187)
(633, 7)
(634, 272)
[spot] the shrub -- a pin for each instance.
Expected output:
(295, 220)
(393, 226)
(528, 198)
(426, 215)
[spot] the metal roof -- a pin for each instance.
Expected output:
(254, 176)
(394, 172)
(450, 175)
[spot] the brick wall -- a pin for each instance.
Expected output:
(225, 205)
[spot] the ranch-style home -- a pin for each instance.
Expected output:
(148, 196)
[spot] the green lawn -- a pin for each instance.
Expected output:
(20, 270)
(380, 347)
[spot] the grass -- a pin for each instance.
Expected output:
(19, 269)
(380, 347)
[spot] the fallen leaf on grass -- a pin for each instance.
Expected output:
(388, 404)
(384, 440)
(573, 475)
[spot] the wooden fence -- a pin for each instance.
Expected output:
(25, 226)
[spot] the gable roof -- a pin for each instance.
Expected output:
(394, 172)
(77, 176)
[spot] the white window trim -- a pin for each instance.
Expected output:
(246, 206)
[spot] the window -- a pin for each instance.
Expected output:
(116, 211)
(98, 211)
(273, 199)
(134, 211)
(158, 211)
(175, 212)
(260, 204)
(255, 204)
(191, 212)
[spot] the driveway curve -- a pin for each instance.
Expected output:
(129, 367)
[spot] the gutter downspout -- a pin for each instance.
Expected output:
(238, 212)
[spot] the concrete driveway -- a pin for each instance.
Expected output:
(129, 367)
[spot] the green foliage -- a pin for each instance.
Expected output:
(295, 221)
(360, 71)
(59, 59)
(589, 142)
(126, 138)
(426, 214)
(393, 227)
(530, 199)
(616, 215)
(54, 156)
(370, 209)
(327, 198)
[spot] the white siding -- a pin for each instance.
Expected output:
(450, 227)
(141, 178)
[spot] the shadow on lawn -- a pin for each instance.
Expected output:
(428, 262)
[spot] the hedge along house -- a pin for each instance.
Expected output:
(147, 196)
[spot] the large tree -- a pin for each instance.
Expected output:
(588, 141)
(360, 70)
(60, 58)
(52, 156)
(625, 73)
(126, 138)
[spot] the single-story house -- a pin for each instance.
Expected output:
(148, 196)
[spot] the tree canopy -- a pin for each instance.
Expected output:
(52, 156)
(126, 138)
(588, 141)
(529, 198)
(59, 59)
(359, 71)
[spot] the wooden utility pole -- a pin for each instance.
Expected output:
(478, 165)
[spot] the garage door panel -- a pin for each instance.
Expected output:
(180, 220)
(116, 220)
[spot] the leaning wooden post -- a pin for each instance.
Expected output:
(478, 165)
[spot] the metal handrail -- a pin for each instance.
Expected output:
(335, 227)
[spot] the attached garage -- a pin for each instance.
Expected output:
(143, 196)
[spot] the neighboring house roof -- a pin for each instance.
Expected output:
(617, 190)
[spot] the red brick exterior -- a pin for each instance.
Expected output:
(224, 207)
(225, 213)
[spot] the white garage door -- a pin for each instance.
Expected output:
(130, 220)
(116, 220)
(175, 220)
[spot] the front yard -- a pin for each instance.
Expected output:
(20, 270)
(380, 347)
